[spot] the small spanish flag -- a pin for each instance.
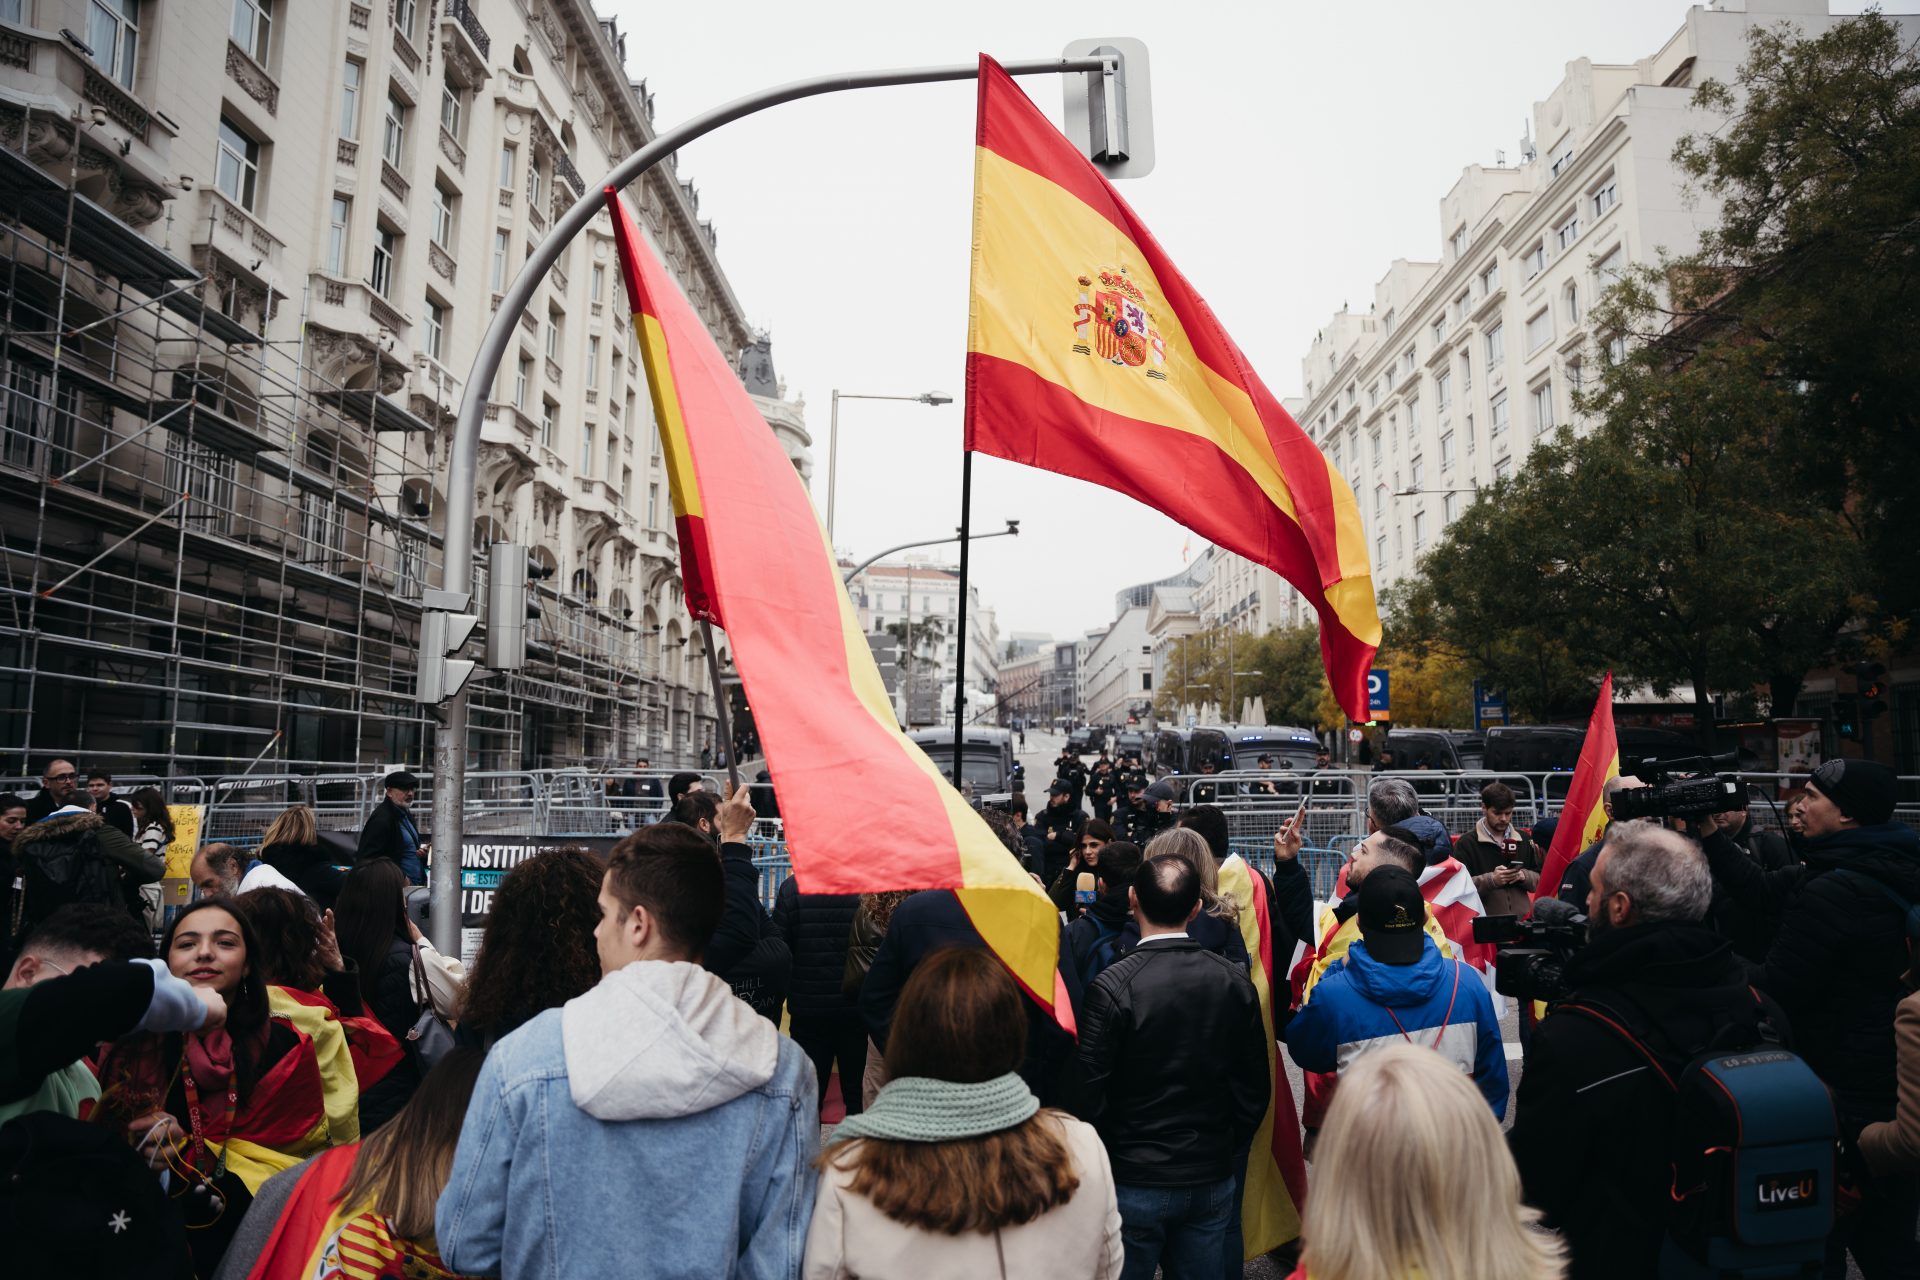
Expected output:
(755, 560)
(1584, 817)
(1089, 354)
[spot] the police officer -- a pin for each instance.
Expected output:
(1100, 787)
(1069, 770)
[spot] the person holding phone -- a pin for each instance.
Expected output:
(1503, 861)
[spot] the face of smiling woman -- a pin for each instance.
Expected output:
(208, 951)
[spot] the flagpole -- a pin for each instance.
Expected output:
(960, 646)
(723, 723)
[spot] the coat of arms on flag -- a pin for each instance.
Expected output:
(1122, 329)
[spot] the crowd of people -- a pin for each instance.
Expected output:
(647, 1071)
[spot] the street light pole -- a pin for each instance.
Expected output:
(833, 435)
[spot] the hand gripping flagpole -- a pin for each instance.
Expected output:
(463, 455)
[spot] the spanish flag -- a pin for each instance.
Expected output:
(756, 560)
(1089, 354)
(1583, 817)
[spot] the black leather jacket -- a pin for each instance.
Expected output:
(1172, 1066)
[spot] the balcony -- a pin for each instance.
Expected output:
(463, 24)
(247, 249)
(351, 315)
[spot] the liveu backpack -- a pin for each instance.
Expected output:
(1752, 1151)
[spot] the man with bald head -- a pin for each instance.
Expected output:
(1578, 879)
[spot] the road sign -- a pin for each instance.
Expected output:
(1489, 707)
(1355, 736)
(1378, 705)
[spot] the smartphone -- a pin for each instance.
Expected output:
(1516, 865)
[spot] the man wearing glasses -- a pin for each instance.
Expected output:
(57, 789)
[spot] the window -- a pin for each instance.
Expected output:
(549, 419)
(1456, 244)
(113, 33)
(1503, 468)
(1380, 549)
(1567, 233)
(506, 168)
(554, 319)
(1466, 371)
(393, 139)
(450, 110)
(1373, 395)
(653, 505)
(1490, 277)
(1417, 472)
(1570, 302)
(351, 73)
(1616, 350)
(1419, 530)
(1439, 329)
(337, 222)
(252, 27)
(586, 451)
(406, 14)
(236, 169)
(436, 329)
(533, 183)
(1576, 375)
(13, 11)
(1386, 323)
(1413, 419)
(1539, 329)
(1468, 429)
(443, 202)
(522, 380)
(1608, 269)
(1560, 161)
(1543, 408)
(1536, 259)
(1379, 501)
(1496, 345)
(502, 249)
(1449, 509)
(385, 246)
(1605, 197)
(1375, 438)
(593, 361)
(1443, 391)
(1336, 457)
(1408, 359)
(1462, 305)
(599, 282)
(1499, 408)
(1446, 451)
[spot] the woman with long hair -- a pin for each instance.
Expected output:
(219, 1111)
(954, 1170)
(152, 823)
(1411, 1177)
(376, 942)
(291, 846)
(1215, 928)
(538, 952)
(366, 1208)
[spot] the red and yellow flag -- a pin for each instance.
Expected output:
(756, 560)
(1583, 817)
(1089, 354)
(1275, 1190)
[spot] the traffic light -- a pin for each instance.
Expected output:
(1846, 717)
(507, 607)
(444, 628)
(1871, 678)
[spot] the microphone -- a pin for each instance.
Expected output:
(1555, 912)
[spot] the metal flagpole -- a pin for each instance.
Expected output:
(723, 723)
(960, 646)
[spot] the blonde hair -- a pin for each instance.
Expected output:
(295, 826)
(1411, 1177)
(1190, 846)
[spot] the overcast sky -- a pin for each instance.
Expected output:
(1301, 148)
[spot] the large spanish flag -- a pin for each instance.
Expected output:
(1583, 817)
(756, 561)
(1275, 1190)
(1089, 354)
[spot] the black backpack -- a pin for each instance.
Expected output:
(1751, 1147)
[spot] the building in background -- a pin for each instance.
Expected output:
(1117, 669)
(247, 252)
(890, 598)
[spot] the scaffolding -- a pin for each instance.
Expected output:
(211, 554)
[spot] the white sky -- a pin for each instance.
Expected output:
(1301, 148)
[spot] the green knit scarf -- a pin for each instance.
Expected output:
(922, 1109)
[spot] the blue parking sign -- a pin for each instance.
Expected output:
(1378, 707)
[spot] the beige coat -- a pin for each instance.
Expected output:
(1079, 1240)
(1893, 1146)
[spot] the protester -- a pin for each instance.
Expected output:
(1098, 937)
(221, 1108)
(390, 831)
(376, 937)
(1172, 1069)
(291, 846)
(365, 1209)
(116, 811)
(1393, 986)
(696, 809)
(73, 855)
(153, 822)
(681, 783)
(1216, 926)
(658, 1079)
(59, 785)
(13, 816)
(746, 948)
(1590, 1134)
(1288, 892)
(1412, 1179)
(216, 870)
(1836, 966)
(1500, 857)
(869, 930)
(955, 1171)
(538, 950)
(1575, 881)
(1033, 848)
(824, 1020)
(72, 987)
(1093, 837)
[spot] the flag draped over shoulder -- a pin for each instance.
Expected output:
(756, 560)
(1275, 1190)
(1089, 354)
(1583, 817)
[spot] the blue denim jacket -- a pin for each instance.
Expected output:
(654, 1127)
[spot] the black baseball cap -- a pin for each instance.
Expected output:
(1393, 916)
(1060, 789)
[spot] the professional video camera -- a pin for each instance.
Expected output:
(1680, 788)
(1530, 962)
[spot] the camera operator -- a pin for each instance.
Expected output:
(1746, 925)
(1591, 1132)
(1576, 880)
(1836, 966)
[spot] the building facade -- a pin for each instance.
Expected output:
(250, 247)
(926, 597)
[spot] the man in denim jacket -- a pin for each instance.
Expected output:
(655, 1126)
